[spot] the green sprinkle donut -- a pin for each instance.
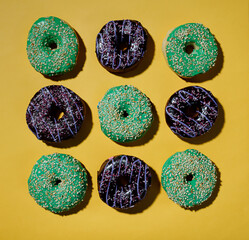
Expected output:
(125, 114)
(189, 178)
(52, 46)
(58, 182)
(190, 49)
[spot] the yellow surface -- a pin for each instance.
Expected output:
(225, 218)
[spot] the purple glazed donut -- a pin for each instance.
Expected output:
(123, 181)
(44, 112)
(191, 111)
(120, 45)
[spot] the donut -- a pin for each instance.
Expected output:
(123, 181)
(189, 178)
(120, 45)
(125, 113)
(191, 111)
(190, 49)
(58, 182)
(52, 46)
(55, 113)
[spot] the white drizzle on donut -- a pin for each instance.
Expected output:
(47, 126)
(187, 126)
(124, 196)
(109, 38)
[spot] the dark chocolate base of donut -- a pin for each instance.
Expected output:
(193, 111)
(123, 181)
(120, 71)
(115, 49)
(44, 112)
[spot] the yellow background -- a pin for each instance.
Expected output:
(157, 217)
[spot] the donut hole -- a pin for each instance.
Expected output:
(123, 111)
(123, 44)
(190, 47)
(123, 180)
(51, 42)
(189, 177)
(52, 45)
(192, 110)
(125, 114)
(56, 182)
(56, 112)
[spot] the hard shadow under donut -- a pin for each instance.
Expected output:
(214, 71)
(213, 196)
(144, 63)
(150, 197)
(149, 135)
(80, 136)
(83, 204)
(79, 64)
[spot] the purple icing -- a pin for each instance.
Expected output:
(42, 115)
(123, 181)
(191, 111)
(121, 44)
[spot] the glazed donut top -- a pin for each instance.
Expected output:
(191, 111)
(120, 44)
(58, 182)
(189, 177)
(52, 46)
(204, 53)
(123, 181)
(44, 109)
(125, 113)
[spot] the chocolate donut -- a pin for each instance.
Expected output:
(44, 112)
(120, 45)
(191, 111)
(123, 181)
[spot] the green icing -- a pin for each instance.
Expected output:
(58, 182)
(52, 46)
(125, 113)
(203, 56)
(189, 178)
